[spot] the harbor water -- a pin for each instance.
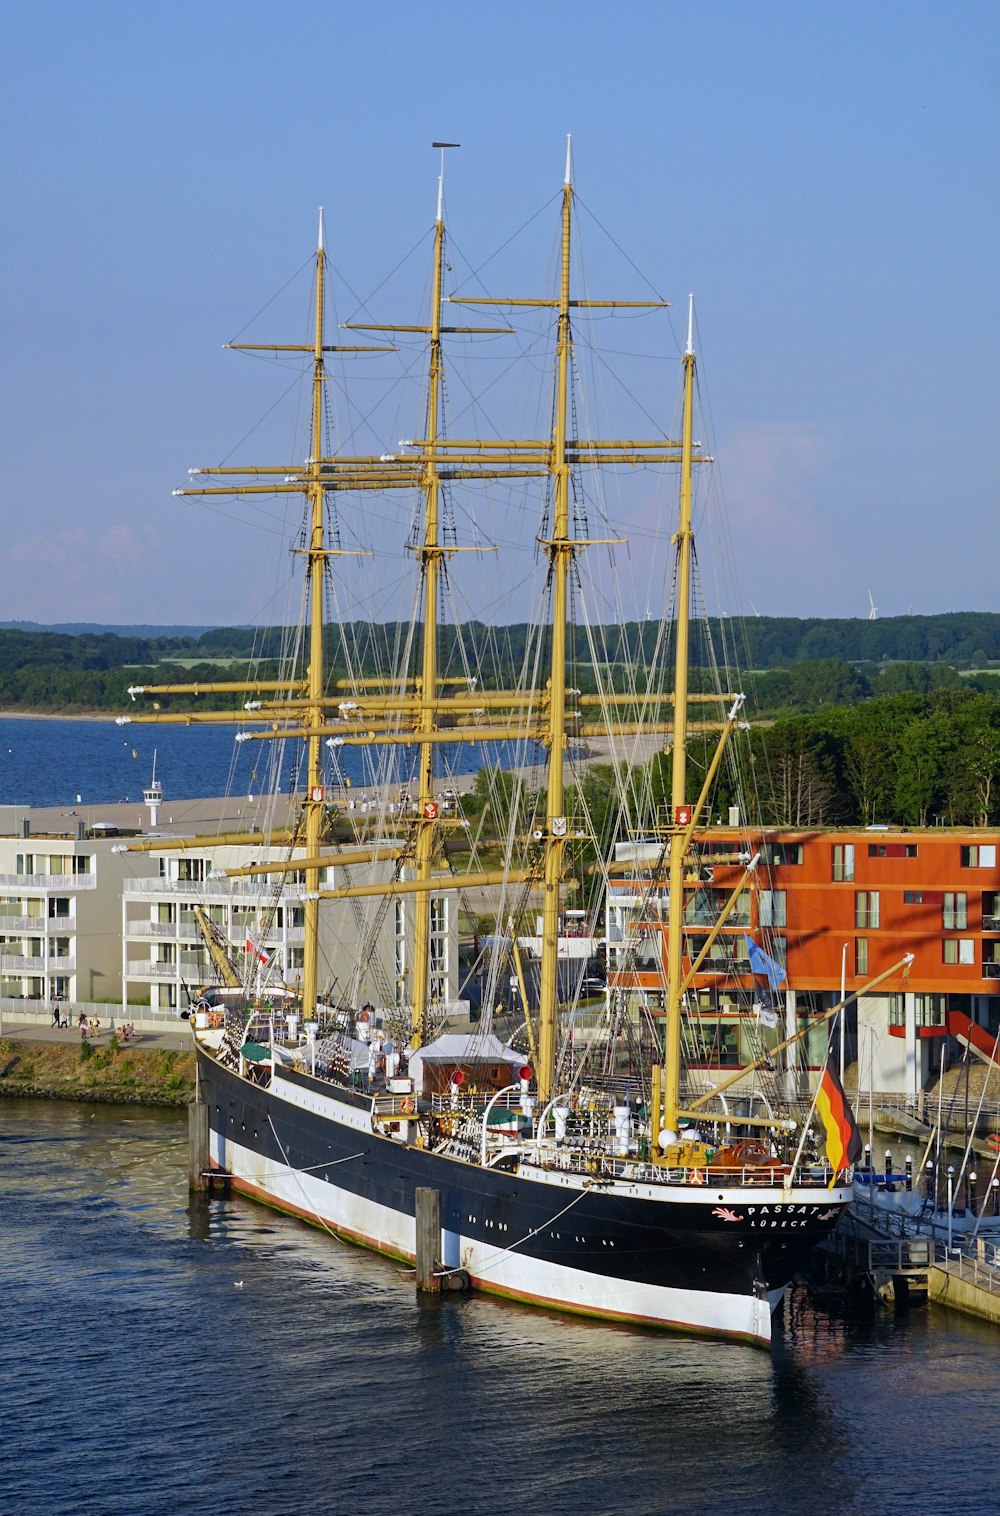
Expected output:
(47, 761)
(161, 1356)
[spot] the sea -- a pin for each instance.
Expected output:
(93, 762)
(160, 1356)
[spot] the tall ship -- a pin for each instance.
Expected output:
(578, 1163)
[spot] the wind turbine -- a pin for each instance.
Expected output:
(873, 613)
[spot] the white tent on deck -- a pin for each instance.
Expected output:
(483, 1059)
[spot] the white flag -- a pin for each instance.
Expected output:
(766, 1016)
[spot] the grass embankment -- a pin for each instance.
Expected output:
(110, 1075)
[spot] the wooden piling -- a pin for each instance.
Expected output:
(428, 1240)
(198, 1147)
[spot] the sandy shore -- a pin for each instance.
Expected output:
(57, 716)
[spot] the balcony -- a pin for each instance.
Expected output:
(991, 970)
(738, 968)
(145, 968)
(49, 882)
(35, 926)
(708, 916)
(22, 964)
(189, 966)
(991, 923)
(219, 890)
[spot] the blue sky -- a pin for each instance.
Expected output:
(822, 176)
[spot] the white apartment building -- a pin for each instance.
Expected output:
(60, 916)
(165, 957)
(84, 919)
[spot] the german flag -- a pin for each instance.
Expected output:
(843, 1140)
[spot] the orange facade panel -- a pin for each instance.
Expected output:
(932, 893)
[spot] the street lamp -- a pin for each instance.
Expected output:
(995, 1187)
(951, 1194)
(888, 1164)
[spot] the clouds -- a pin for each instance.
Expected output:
(771, 471)
(74, 575)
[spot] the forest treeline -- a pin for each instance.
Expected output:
(795, 665)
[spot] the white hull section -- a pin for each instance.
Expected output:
(325, 1204)
(499, 1271)
(504, 1272)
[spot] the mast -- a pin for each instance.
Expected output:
(314, 802)
(678, 776)
(560, 555)
(430, 567)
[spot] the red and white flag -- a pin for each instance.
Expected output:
(258, 953)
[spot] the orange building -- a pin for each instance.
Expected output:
(826, 904)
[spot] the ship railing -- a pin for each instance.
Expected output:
(394, 1107)
(447, 1104)
(597, 1161)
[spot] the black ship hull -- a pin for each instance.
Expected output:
(712, 1259)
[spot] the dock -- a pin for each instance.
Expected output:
(908, 1270)
(896, 1269)
(968, 1284)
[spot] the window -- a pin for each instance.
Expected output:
(954, 912)
(866, 908)
(913, 897)
(782, 852)
(843, 861)
(773, 908)
(58, 906)
(892, 850)
(959, 950)
(930, 1010)
(192, 869)
(82, 865)
(979, 856)
(778, 949)
(861, 955)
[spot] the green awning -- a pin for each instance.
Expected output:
(255, 1052)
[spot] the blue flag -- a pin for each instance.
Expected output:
(763, 966)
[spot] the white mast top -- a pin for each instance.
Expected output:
(442, 146)
(569, 159)
(689, 350)
(320, 244)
